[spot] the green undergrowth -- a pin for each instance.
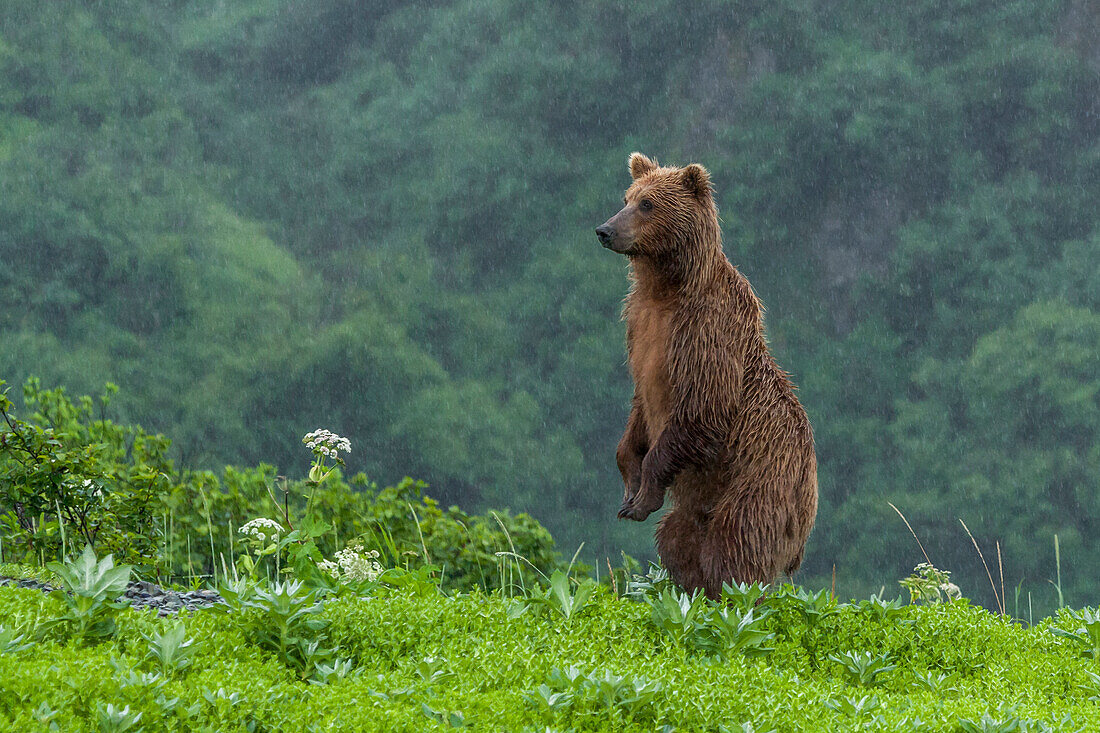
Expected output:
(26, 572)
(411, 659)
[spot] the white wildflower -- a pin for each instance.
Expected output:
(261, 528)
(326, 442)
(352, 565)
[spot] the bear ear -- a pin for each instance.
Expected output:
(641, 165)
(697, 181)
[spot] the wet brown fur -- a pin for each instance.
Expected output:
(714, 420)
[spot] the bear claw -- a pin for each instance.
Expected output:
(637, 514)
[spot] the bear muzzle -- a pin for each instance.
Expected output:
(610, 239)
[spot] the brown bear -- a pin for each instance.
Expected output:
(714, 420)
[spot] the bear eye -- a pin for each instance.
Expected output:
(646, 205)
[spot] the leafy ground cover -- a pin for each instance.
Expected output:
(573, 655)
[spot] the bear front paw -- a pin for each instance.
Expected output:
(626, 511)
(637, 511)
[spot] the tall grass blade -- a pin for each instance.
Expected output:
(1058, 570)
(573, 560)
(997, 598)
(423, 545)
(61, 526)
(1001, 570)
(508, 536)
(210, 532)
(911, 532)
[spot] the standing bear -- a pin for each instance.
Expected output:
(714, 420)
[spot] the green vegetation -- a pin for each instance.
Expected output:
(261, 217)
(89, 589)
(389, 657)
(70, 477)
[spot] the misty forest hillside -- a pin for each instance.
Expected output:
(264, 217)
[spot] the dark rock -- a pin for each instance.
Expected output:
(142, 594)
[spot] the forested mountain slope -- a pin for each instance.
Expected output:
(263, 217)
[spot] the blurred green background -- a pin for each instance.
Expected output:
(267, 216)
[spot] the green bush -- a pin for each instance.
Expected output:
(71, 477)
(406, 527)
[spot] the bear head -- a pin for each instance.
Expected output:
(667, 212)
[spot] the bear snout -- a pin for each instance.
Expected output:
(606, 235)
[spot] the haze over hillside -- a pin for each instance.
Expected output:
(266, 217)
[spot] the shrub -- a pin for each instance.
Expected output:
(70, 478)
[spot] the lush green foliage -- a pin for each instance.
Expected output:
(69, 469)
(392, 659)
(67, 466)
(90, 588)
(170, 649)
(261, 217)
(287, 624)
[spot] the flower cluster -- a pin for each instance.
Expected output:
(353, 565)
(928, 583)
(261, 528)
(326, 443)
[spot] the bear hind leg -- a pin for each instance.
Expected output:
(680, 536)
(737, 549)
